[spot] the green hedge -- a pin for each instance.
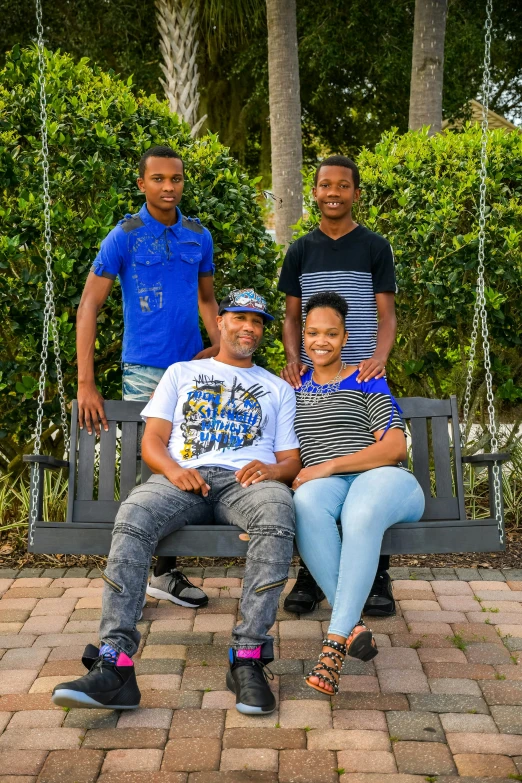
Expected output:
(98, 128)
(422, 193)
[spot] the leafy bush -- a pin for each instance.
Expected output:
(422, 194)
(97, 131)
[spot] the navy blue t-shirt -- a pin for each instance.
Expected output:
(158, 267)
(357, 266)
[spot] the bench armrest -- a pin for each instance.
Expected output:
(47, 462)
(39, 464)
(487, 459)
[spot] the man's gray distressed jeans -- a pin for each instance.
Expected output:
(154, 509)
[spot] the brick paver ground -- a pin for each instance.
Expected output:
(441, 702)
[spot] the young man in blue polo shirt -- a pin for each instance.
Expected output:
(163, 261)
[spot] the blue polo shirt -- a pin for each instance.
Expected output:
(158, 267)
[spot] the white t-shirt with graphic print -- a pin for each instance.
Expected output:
(223, 415)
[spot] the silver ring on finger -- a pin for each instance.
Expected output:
(259, 473)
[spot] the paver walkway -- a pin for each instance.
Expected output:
(442, 700)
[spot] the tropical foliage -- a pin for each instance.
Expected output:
(422, 193)
(355, 62)
(98, 129)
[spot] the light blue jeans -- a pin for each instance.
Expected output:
(366, 504)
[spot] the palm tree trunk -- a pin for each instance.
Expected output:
(427, 68)
(285, 116)
(178, 45)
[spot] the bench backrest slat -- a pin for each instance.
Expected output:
(145, 471)
(420, 454)
(129, 450)
(442, 456)
(107, 463)
(86, 465)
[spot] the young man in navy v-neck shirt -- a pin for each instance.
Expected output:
(343, 256)
(164, 262)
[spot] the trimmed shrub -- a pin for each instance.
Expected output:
(98, 129)
(422, 194)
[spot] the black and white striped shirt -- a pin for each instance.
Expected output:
(357, 266)
(344, 422)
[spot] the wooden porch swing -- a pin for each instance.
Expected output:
(99, 480)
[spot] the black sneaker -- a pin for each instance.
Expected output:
(247, 678)
(305, 594)
(106, 686)
(380, 602)
(174, 586)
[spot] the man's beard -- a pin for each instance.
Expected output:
(238, 348)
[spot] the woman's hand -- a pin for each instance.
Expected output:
(324, 470)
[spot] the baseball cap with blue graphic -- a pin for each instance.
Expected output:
(244, 300)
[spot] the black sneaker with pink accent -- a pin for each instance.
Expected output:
(106, 686)
(248, 679)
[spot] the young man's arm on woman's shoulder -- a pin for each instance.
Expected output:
(289, 284)
(384, 286)
(294, 368)
(375, 366)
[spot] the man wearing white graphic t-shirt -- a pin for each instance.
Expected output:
(221, 442)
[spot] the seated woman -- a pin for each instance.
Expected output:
(352, 440)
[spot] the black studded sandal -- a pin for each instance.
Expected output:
(361, 643)
(336, 655)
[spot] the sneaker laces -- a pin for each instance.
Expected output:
(178, 576)
(256, 663)
(100, 662)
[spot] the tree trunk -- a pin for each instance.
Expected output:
(178, 45)
(285, 116)
(427, 67)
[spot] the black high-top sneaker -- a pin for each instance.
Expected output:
(106, 686)
(248, 679)
(380, 602)
(305, 594)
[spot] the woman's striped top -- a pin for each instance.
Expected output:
(344, 422)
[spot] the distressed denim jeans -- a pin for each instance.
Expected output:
(153, 510)
(140, 381)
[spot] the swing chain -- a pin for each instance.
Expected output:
(480, 316)
(49, 315)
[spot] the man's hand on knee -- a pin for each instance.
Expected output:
(188, 479)
(257, 471)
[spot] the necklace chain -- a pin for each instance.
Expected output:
(311, 392)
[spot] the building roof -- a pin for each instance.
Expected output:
(494, 120)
